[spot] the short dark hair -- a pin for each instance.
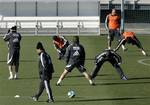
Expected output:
(14, 28)
(39, 46)
(75, 39)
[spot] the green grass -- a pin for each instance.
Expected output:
(109, 89)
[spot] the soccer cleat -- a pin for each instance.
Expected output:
(34, 98)
(10, 77)
(124, 78)
(49, 101)
(92, 84)
(15, 76)
(58, 84)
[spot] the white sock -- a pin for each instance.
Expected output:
(11, 73)
(58, 82)
(143, 52)
(16, 75)
(90, 81)
(123, 47)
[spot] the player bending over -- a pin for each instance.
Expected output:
(112, 57)
(75, 57)
(60, 43)
(129, 37)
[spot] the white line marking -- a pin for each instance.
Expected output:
(141, 61)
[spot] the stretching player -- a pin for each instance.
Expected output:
(75, 57)
(129, 37)
(60, 43)
(112, 24)
(112, 57)
(13, 39)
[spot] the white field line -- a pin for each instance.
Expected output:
(141, 61)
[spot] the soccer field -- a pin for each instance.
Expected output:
(109, 89)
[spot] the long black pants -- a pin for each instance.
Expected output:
(45, 84)
(99, 65)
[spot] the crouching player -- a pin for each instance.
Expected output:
(60, 43)
(129, 37)
(112, 57)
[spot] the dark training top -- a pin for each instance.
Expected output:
(45, 66)
(13, 39)
(108, 55)
(75, 54)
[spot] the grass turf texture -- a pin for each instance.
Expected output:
(109, 89)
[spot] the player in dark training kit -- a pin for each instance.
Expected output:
(45, 72)
(112, 57)
(75, 57)
(13, 39)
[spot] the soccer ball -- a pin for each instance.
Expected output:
(71, 94)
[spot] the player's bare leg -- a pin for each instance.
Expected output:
(109, 41)
(10, 72)
(124, 48)
(63, 75)
(16, 71)
(88, 78)
(109, 44)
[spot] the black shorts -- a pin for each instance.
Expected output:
(70, 67)
(13, 57)
(134, 41)
(114, 33)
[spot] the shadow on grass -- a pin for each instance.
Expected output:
(139, 78)
(102, 99)
(123, 83)
(21, 61)
(79, 76)
(102, 84)
(28, 78)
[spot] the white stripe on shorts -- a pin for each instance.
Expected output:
(9, 60)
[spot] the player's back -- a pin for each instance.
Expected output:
(14, 40)
(128, 34)
(77, 53)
